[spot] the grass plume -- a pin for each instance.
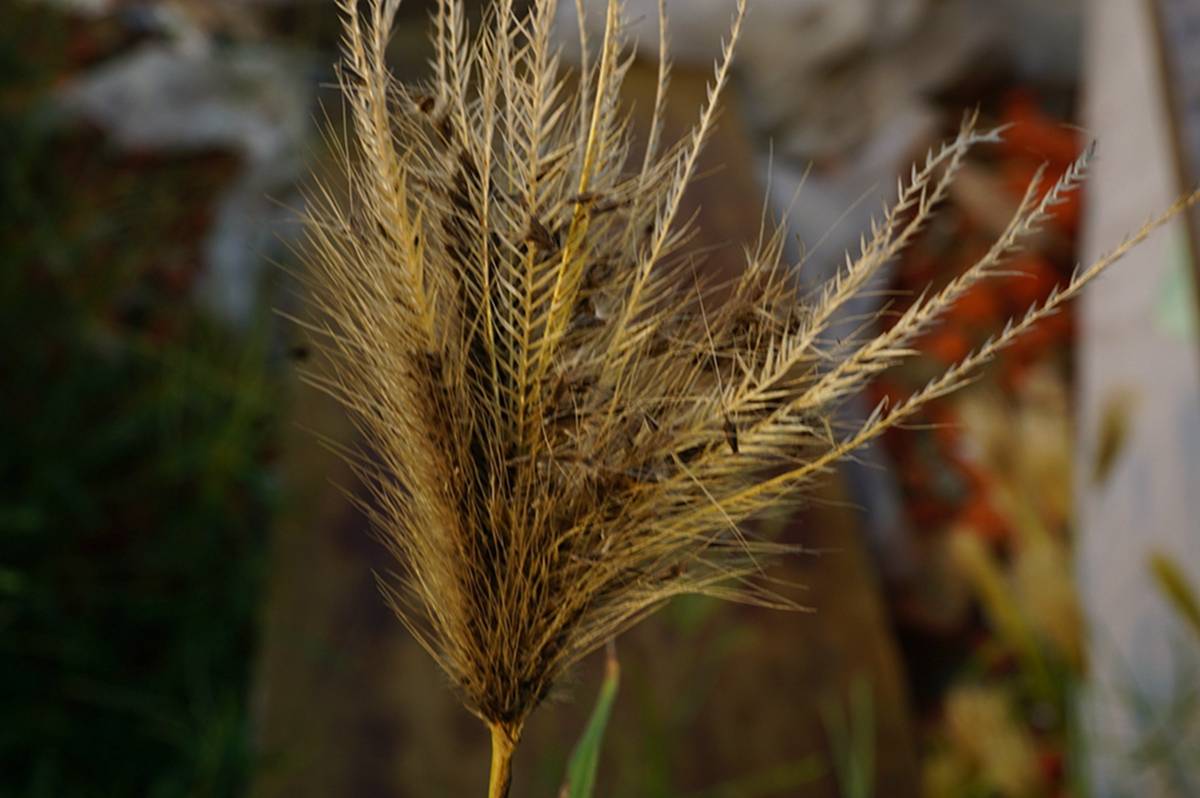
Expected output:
(568, 421)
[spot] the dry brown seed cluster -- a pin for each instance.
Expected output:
(568, 421)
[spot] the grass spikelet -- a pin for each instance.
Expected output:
(567, 421)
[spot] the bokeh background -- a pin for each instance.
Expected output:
(1003, 595)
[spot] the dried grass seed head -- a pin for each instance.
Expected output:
(567, 420)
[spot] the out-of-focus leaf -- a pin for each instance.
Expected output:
(851, 733)
(1177, 590)
(581, 771)
(1113, 434)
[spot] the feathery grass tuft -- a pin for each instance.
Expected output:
(568, 420)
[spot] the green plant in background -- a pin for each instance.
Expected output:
(1177, 590)
(584, 760)
(135, 492)
(581, 770)
(1168, 739)
(851, 733)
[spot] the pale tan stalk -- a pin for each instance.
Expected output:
(504, 743)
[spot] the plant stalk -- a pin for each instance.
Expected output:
(503, 744)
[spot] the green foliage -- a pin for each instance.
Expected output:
(1177, 590)
(851, 733)
(581, 771)
(134, 501)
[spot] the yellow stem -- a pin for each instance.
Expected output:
(503, 743)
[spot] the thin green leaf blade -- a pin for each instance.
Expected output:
(581, 770)
(1177, 590)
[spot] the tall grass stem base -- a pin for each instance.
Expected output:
(503, 744)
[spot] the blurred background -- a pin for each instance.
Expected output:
(1004, 594)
